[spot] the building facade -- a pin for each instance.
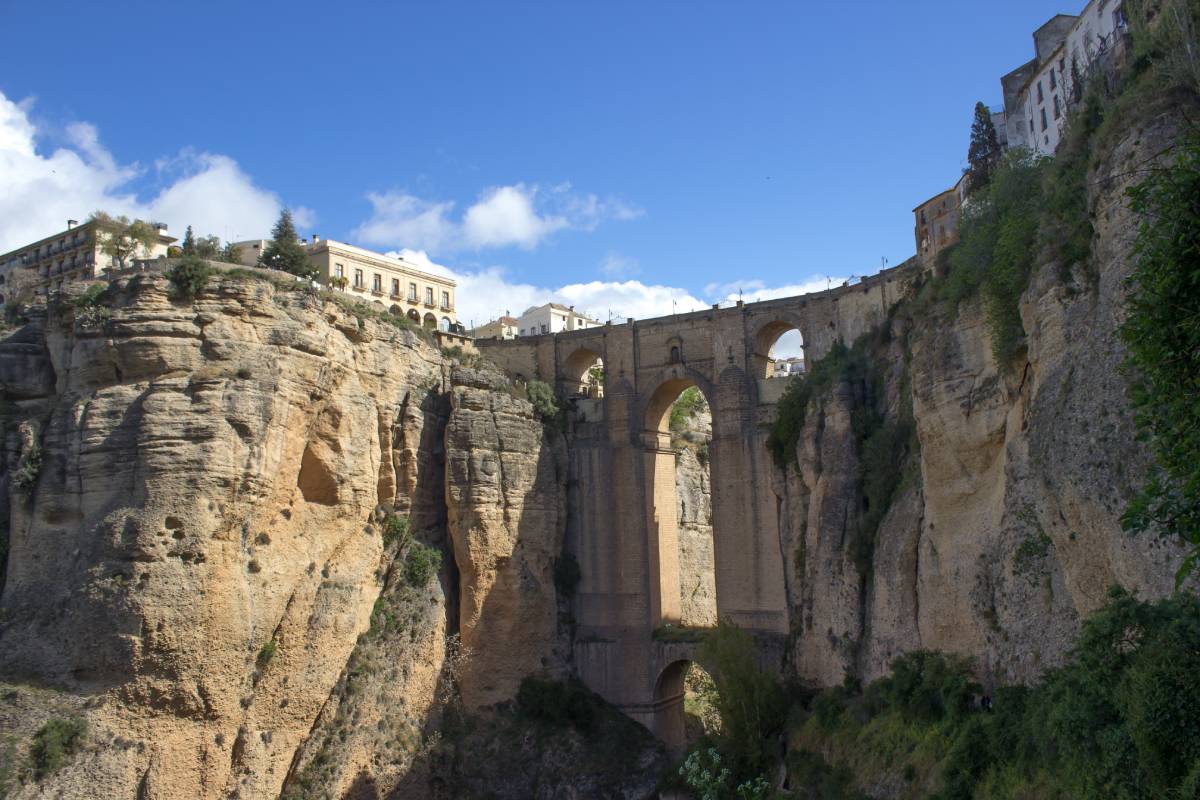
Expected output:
(1038, 95)
(787, 367)
(503, 328)
(404, 288)
(936, 222)
(552, 318)
(73, 254)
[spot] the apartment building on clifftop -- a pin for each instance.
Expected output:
(73, 254)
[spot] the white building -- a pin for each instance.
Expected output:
(552, 318)
(786, 367)
(1038, 94)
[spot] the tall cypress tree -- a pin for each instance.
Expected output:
(984, 152)
(285, 251)
(189, 242)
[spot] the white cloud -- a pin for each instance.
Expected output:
(518, 215)
(40, 191)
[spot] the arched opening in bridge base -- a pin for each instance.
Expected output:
(685, 706)
(680, 519)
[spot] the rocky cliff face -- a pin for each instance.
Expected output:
(198, 568)
(507, 499)
(1006, 529)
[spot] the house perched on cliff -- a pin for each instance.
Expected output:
(73, 254)
(425, 298)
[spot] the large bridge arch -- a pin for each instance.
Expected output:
(662, 524)
(617, 452)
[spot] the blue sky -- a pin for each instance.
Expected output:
(646, 152)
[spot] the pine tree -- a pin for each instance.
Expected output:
(189, 242)
(285, 251)
(984, 153)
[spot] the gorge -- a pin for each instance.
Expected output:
(265, 542)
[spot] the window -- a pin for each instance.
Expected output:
(1042, 111)
(545, 329)
(358, 279)
(395, 287)
(339, 270)
(377, 283)
(521, 332)
(412, 292)
(1041, 97)
(445, 299)
(1056, 108)
(429, 295)
(1053, 80)
(1031, 124)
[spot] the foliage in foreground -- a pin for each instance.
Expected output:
(1162, 332)
(1117, 721)
(750, 701)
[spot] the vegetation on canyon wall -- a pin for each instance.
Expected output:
(1117, 720)
(1162, 333)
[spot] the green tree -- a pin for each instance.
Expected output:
(749, 700)
(121, 237)
(189, 242)
(209, 248)
(285, 251)
(229, 254)
(983, 154)
(1162, 332)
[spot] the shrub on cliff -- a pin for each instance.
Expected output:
(421, 563)
(557, 703)
(54, 745)
(189, 277)
(1162, 332)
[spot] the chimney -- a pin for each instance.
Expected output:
(71, 223)
(316, 238)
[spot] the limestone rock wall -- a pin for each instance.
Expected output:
(1010, 532)
(197, 493)
(506, 491)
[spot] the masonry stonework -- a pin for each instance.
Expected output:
(622, 526)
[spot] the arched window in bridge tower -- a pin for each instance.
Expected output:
(675, 358)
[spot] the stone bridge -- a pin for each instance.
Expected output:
(621, 488)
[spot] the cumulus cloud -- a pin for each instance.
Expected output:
(41, 190)
(518, 215)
